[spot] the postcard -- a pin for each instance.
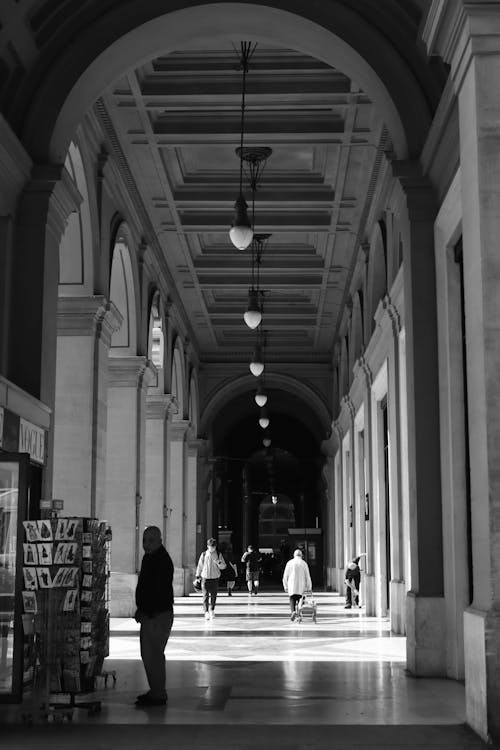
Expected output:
(60, 553)
(45, 553)
(30, 579)
(44, 580)
(70, 554)
(32, 532)
(70, 600)
(73, 524)
(62, 526)
(29, 602)
(30, 554)
(45, 530)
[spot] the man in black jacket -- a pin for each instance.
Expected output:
(154, 598)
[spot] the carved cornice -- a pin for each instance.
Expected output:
(457, 31)
(127, 372)
(177, 430)
(393, 314)
(87, 316)
(52, 183)
(157, 405)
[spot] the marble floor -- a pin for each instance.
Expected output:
(253, 677)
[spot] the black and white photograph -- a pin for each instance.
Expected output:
(250, 371)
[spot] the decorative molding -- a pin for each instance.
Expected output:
(85, 316)
(126, 372)
(177, 430)
(15, 168)
(157, 405)
(52, 183)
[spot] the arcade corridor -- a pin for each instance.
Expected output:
(249, 290)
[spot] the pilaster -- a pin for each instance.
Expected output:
(157, 408)
(426, 652)
(84, 328)
(174, 510)
(469, 40)
(125, 464)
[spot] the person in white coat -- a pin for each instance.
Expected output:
(296, 580)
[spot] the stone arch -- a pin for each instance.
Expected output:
(76, 266)
(401, 86)
(123, 293)
(156, 333)
(356, 339)
(344, 369)
(377, 276)
(318, 415)
(178, 378)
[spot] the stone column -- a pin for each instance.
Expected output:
(397, 586)
(128, 380)
(339, 512)
(44, 208)
(190, 514)
(369, 577)
(157, 406)
(475, 69)
(176, 457)
(84, 329)
(426, 636)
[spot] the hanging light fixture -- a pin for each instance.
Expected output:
(253, 314)
(266, 440)
(241, 231)
(264, 419)
(257, 363)
(260, 395)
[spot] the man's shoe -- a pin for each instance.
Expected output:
(207, 616)
(212, 614)
(149, 700)
(293, 616)
(348, 606)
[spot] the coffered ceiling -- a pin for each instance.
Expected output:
(177, 120)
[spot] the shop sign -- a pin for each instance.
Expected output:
(32, 441)
(1, 426)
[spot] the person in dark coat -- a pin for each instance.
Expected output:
(352, 578)
(252, 559)
(154, 598)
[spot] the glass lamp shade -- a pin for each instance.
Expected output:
(266, 442)
(257, 366)
(253, 315)
(261, 396)
(264, 422)
(241, 232)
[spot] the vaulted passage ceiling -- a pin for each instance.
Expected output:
(177, 121)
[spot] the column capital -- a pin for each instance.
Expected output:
(157, 405)
(57, 195)
(177, 430)
(459, 31)
(417, 189)
(82, 316)
(197, 447)
(127, 372)
(393, 314)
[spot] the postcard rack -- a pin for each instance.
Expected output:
(65, 596)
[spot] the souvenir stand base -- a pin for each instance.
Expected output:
(42, 631)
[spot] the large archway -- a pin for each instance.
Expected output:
(403, 88)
